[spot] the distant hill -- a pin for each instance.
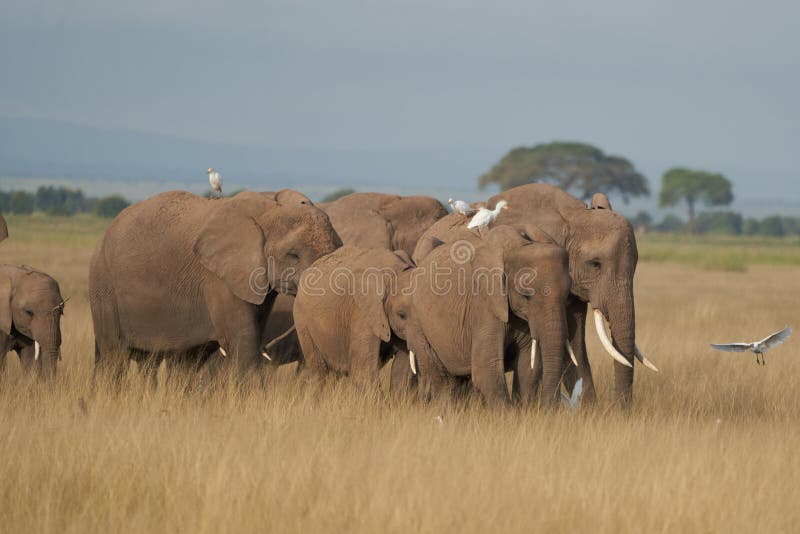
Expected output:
(56, 149)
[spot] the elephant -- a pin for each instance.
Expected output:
(601, 245)
(377, 220)
(365, 220)
(484, 306)
(3, 229)
(30, 319)
(351, 312)
(181, 275)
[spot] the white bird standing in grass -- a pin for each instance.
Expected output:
(485, 217)
(459, 206)
(215, 180)
(758, 347)
(573, 402)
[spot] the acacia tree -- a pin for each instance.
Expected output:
(580, 168)
(680, 184)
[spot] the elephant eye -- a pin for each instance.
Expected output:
(594, 264)
(402, 314)
(293, 256)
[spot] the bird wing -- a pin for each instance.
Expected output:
(773, 340)
(577, 391)
(464, 208)
(731, 347)
(479, 219)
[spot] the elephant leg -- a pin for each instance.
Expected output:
(4, 346)
(576, 324)
(110, 364)
(364, 356)
(148, 368)
(313, 363)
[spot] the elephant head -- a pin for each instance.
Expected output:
(602, 262)
(538, 285)
(385, 295)
(376, 220)
(31, 307)
(274, 243)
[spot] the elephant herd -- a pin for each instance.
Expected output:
(268, 278)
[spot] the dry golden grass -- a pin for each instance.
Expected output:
(711, 444)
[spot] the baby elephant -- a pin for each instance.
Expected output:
(351, 310)
(30, 318)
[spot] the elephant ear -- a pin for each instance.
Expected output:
(534, 233)
(5, 304)
(489, 280)
(370, 300)
(425, 246)
(600, 202)
(231, 245)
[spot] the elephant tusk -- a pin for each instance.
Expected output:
(36, 350)
(223, 351)
(264, 354)
(533, 352)
(642, 358)
(571, 353)
(601, 333)
(413, 361)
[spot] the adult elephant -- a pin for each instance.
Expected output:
(3, 229)
(30, 319)
(602, 262)
(364, 220)
(178, 274)
(377, 220)
(484, 306)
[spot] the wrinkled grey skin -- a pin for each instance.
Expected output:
(30, 311)
(365, 220)
(179, 275)
(354, 322)
(516, 290)
(602, 261)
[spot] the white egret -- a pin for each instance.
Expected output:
(573, 402)
(459, 206)
(215, 180)
(758, 347)
(485, 217)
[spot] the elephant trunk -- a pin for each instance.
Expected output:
(622, 322)
(551, 338)
(48, 348)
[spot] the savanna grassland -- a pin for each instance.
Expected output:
(711, 444)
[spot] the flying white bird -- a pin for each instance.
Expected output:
(459, 206)
(573, 402)
(758, 347)
(485, 217)
(215, 180)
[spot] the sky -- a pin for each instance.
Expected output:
(706, 84)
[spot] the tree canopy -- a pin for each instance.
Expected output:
(337, 194)
(679, 184)
(577, 167)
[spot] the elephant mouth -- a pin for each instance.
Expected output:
(288, 287)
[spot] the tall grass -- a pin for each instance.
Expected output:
(710, 444)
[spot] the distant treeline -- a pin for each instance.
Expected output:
(721, 222)
(60, 201)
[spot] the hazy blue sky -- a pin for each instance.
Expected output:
(707, 84)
